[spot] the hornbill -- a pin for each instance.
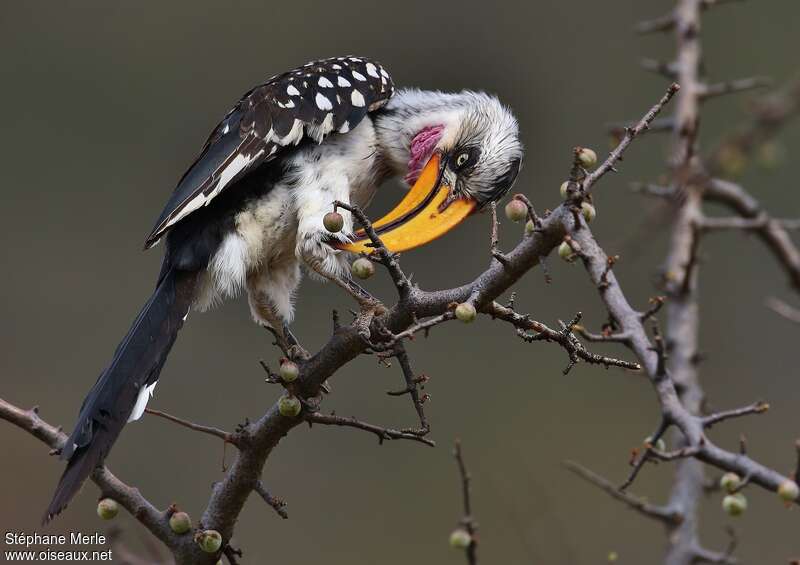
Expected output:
(249, 212)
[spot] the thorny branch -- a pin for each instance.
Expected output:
(781, 308)
(667, 22)
(772, 234)
(381, 433)
(276, 503)
(565, 338)
(660, 513)
(412, 389)
(216, 432)
(630, 134)
(128, 497)
(676, 379)
(467, 520)
(758, 407)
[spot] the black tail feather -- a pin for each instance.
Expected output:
(136, 364)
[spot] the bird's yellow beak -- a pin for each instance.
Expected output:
(426, 213)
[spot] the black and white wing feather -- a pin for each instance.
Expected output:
(310, 102)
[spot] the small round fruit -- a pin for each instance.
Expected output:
(660, 445)
(788, 491)
(362, 268)
(209, 541)
(730, 482)
(529, 227)
(732, 160)
(460, 539)
(180, 522)
(516, 211)
(466, 312)
(588, 211)
(564, 190)
(289, 406)
(587, 157)
(566, 252)
(289, 371)
(770, 155)
(107, 508)
(734, 504)
(333, 222)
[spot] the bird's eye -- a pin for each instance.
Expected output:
(465, 159)
(462, 159)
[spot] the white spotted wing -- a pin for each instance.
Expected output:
(312, 101)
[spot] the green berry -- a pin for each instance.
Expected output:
(209, 541)
(107, 508)
(732, 160)
(333, 222)
(516, 211)
(587, 157)
(566, 252)
(362, 268)
(588, 211)
(530, 227)
(466, 312)
(770, 155)
(289, 406)
(180, 522)
(734, 504)
(564, 190)
(730, 482)
(788, 491)
(660, 445)
(289, 371)
(460, 539)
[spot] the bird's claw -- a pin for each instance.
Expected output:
(296, 352)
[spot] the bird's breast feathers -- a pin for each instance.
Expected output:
(287, 219)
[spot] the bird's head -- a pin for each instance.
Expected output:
(480, 152)
(459, 152)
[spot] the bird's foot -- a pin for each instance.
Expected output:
(288, 343)
(297, 353)
(294, 351)
(369, 306)
(365, 300)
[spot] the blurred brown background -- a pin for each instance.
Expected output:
(103, 106)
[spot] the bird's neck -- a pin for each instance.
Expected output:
(410, 127)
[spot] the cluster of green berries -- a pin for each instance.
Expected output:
(210, 541)
(735, 503)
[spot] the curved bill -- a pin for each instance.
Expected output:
(426, 213)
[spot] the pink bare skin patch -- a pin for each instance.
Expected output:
(421, 149)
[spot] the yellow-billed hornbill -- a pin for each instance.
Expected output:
(250, 210)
